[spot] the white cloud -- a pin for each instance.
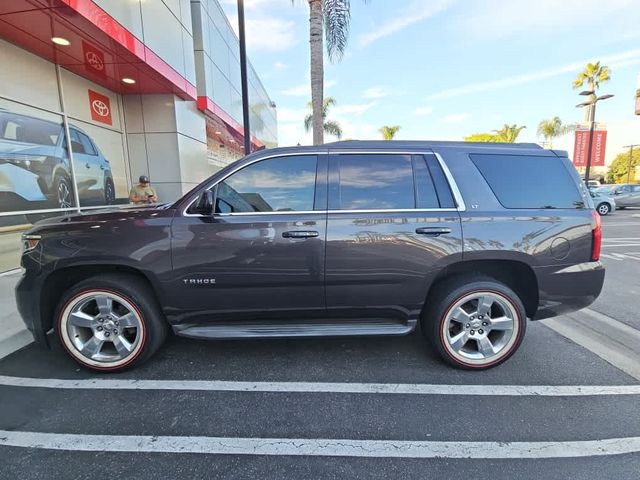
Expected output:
(304, 90)
(375, 92)
(266, 33)
(615, 60)
(456, 117)
(280, 66)
(422, 111)
(354, 108)
(416, 12)
(499, 18)
(288, 115)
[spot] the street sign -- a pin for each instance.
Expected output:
(581, 148)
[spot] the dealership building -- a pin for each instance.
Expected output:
(95, 93)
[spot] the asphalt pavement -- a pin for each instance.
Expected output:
(335, 407)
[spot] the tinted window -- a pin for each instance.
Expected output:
(29, 130)
(426, 196)
(635, 188)
(520, 181)
(87, 145)
(369, 182)
(76, 143)
(442, 186)
(281, 184)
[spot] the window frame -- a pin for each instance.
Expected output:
(325, 181)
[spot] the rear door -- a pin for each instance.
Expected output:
(261, 254)
(623, 196)
(634, 201)
(392, 224)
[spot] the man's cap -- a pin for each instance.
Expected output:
(143, 179)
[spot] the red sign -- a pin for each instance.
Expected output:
(581, 148)
(100, 107)
(93, 60)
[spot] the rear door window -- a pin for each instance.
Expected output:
(375, 182)
(523, 181)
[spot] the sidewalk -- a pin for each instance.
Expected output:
(13, 334)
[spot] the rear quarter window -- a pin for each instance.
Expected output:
(522, 181)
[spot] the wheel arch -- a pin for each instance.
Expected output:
(515, 274)
(61, 280)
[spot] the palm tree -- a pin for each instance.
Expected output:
(550, 129)
(334, 16)
(593, 75)
(329, 126)
(389, 132)
(508, 133)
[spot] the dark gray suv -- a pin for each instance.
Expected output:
(351, 238)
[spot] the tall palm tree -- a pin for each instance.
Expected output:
(550, 129)
(593, 75)
(334, 16)
(329, 126)
(389, 132)
(508, 133)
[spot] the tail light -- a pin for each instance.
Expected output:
(596, 234)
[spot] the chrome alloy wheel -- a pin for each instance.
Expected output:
(64, 194)
(480, 328)
(102, 329)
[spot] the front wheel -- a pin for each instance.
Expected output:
(604, 209)
(110, 323)
(474, 324)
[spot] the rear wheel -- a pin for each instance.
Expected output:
(110, 323)
(474, 323)
(604, 209)
(109, 193)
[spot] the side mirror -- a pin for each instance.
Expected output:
(204, 205)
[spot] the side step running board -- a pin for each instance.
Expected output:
(291, 329)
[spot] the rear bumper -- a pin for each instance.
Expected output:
(567, 289)
(28, 295)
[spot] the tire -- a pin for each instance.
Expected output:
(109, 193)
(603, 209)
(462, 333)
(63, 192)
(93, 331)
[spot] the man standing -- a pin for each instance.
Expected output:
(143, 193)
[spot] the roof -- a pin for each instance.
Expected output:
(412, 144)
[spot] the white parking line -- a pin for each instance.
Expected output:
(318, 447)
(324, 387)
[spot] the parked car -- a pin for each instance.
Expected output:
(625, 194)
(604, 201)
(35, 167)
(350, 238)
(593, 183)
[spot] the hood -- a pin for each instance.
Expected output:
(108, 214)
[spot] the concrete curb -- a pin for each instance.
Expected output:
(15, 228)
(15, 342)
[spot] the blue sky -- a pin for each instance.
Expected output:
(443, 69)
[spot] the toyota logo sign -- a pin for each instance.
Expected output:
(100, 107)
(94, 60)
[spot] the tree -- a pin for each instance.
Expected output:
(334, 16)
(617, 172)
(508, 133)
(550, 129)
(388, 132)
(481, 137)
(329, 126)
(593, 75)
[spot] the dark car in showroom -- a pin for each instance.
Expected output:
(35, 170)
(464, 241)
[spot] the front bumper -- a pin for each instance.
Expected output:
(568, 289)
(28, 299)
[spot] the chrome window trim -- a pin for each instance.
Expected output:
(457, 196)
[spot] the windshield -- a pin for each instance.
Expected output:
(28, 130)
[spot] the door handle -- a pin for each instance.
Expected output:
(87, 165)
(433, 231)
(300, 234)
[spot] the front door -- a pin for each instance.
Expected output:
(261, 254)
(389, 230)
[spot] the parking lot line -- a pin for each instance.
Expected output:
(324, 387)
(318, 447)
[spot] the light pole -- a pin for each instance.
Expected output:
(592, 122)
(630, 147)
(243, 79)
